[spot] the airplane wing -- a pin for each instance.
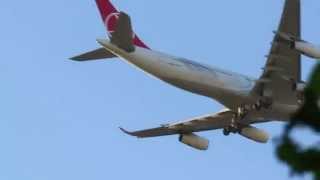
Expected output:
(208, 122)
(283, 67)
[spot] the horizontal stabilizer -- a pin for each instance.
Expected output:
(97, 54)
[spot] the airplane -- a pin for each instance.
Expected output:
(274, 96)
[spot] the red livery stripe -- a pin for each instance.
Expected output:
(109, 15)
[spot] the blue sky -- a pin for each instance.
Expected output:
(59, 119)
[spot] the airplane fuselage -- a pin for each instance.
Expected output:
(228, 88)
(191, 76)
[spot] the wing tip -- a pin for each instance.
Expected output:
(128, 132)
(75, 58)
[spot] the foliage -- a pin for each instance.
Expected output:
(304, 159)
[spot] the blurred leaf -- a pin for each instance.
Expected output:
(309, 114)
(304, 160)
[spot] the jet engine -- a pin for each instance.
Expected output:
(194, 141)
(307, 49)
(302, 46)
(254, 134)
(301, 86)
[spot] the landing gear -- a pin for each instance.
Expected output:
(233, 127)
(241, 113)
(226, 132)
(243, 110)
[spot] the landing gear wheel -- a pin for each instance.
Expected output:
(226, 132)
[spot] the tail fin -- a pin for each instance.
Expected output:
(110, 16)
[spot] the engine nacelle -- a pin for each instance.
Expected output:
(254, 134)
(302, 46)
(194, 141)
(307, 49)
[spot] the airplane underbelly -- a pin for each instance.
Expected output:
(179, 76)
(212, 89)
(172, 72)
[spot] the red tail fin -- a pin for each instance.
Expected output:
(110, 16)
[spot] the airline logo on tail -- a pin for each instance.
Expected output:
(110, 16)
(111, 21)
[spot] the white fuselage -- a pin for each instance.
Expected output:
(228, 88)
